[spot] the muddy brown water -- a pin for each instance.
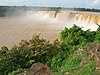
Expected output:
(14, 29)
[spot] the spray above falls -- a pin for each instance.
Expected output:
(87, 20)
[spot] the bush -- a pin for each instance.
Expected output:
(27, 53)
(72, 39)
(76, 36)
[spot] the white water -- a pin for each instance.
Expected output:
(86, 20)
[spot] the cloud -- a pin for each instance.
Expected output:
(61, 3)
(96, 3)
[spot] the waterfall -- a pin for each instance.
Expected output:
(87, 20)
(93, 18)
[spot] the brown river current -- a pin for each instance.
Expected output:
(13, 29)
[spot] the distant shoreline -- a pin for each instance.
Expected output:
(19, 9)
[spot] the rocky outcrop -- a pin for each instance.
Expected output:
(94, 54)
(37, 69)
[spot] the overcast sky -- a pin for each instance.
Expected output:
(48, 3)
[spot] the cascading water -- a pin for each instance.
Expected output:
(83, 19)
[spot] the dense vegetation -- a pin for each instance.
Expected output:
(87, 9)
(58, 55)
(27, 53)
(72, 39)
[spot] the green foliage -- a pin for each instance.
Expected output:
(71, 62)
(98, 30)
(71, 65)
(87, 69)
(87, 9)
(14, 72)
(76, 36)
(27, 53)
(58, 55)
(97, 38)
(71, 40)
(57, 60)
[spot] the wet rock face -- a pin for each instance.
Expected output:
(37, 69)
